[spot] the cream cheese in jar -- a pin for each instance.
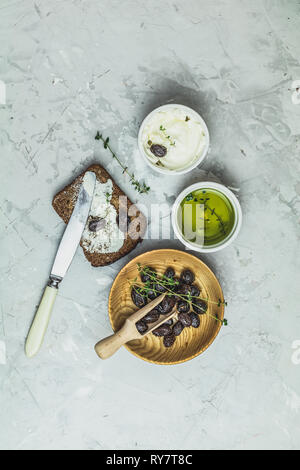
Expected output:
(174, 138)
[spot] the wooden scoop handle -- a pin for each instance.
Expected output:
(108, 346)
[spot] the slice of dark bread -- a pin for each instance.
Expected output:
(64, 203)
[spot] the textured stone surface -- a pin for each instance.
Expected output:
(73, 67)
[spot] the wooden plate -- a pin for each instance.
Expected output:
(191, 342)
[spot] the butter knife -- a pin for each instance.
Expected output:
(65, 253)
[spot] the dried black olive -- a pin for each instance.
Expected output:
(195, 320)
(96, 224)
(137, 298)
(146, 276)
(169, 340)
(199, 306)
(151, 317)
(183, 306)
(185, 319)
(159, 151)
(162, 309)
(166, 305)
(160, 288)
(183, 289)
(178, 328)
(169, 322)
(195, 291)
(170, 301)
(175, 287)
(123, 223)
(169, 273)
(141, 326)
(162, 330)
(187, 277)
(152, 294)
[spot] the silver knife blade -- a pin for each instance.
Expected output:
(73, 233)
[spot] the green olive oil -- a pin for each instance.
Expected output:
(206, 217)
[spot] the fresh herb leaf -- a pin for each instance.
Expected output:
(163, 129)
(142, 188)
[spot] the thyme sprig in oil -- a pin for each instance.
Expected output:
(213, 223)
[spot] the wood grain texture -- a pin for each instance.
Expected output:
(191, 342)
(108, 346)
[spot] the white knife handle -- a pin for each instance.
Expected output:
(40, 323)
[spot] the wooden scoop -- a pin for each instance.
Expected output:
(108, 346)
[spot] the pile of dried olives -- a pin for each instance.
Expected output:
(181, 292)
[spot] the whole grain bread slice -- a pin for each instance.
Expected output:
(64, 202)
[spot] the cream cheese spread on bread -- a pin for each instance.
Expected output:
(102, 233)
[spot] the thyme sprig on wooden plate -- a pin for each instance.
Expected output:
(142, 188)
(168, 284)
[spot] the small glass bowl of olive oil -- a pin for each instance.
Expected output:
(206, 217)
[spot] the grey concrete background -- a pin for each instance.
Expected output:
(72, 67)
